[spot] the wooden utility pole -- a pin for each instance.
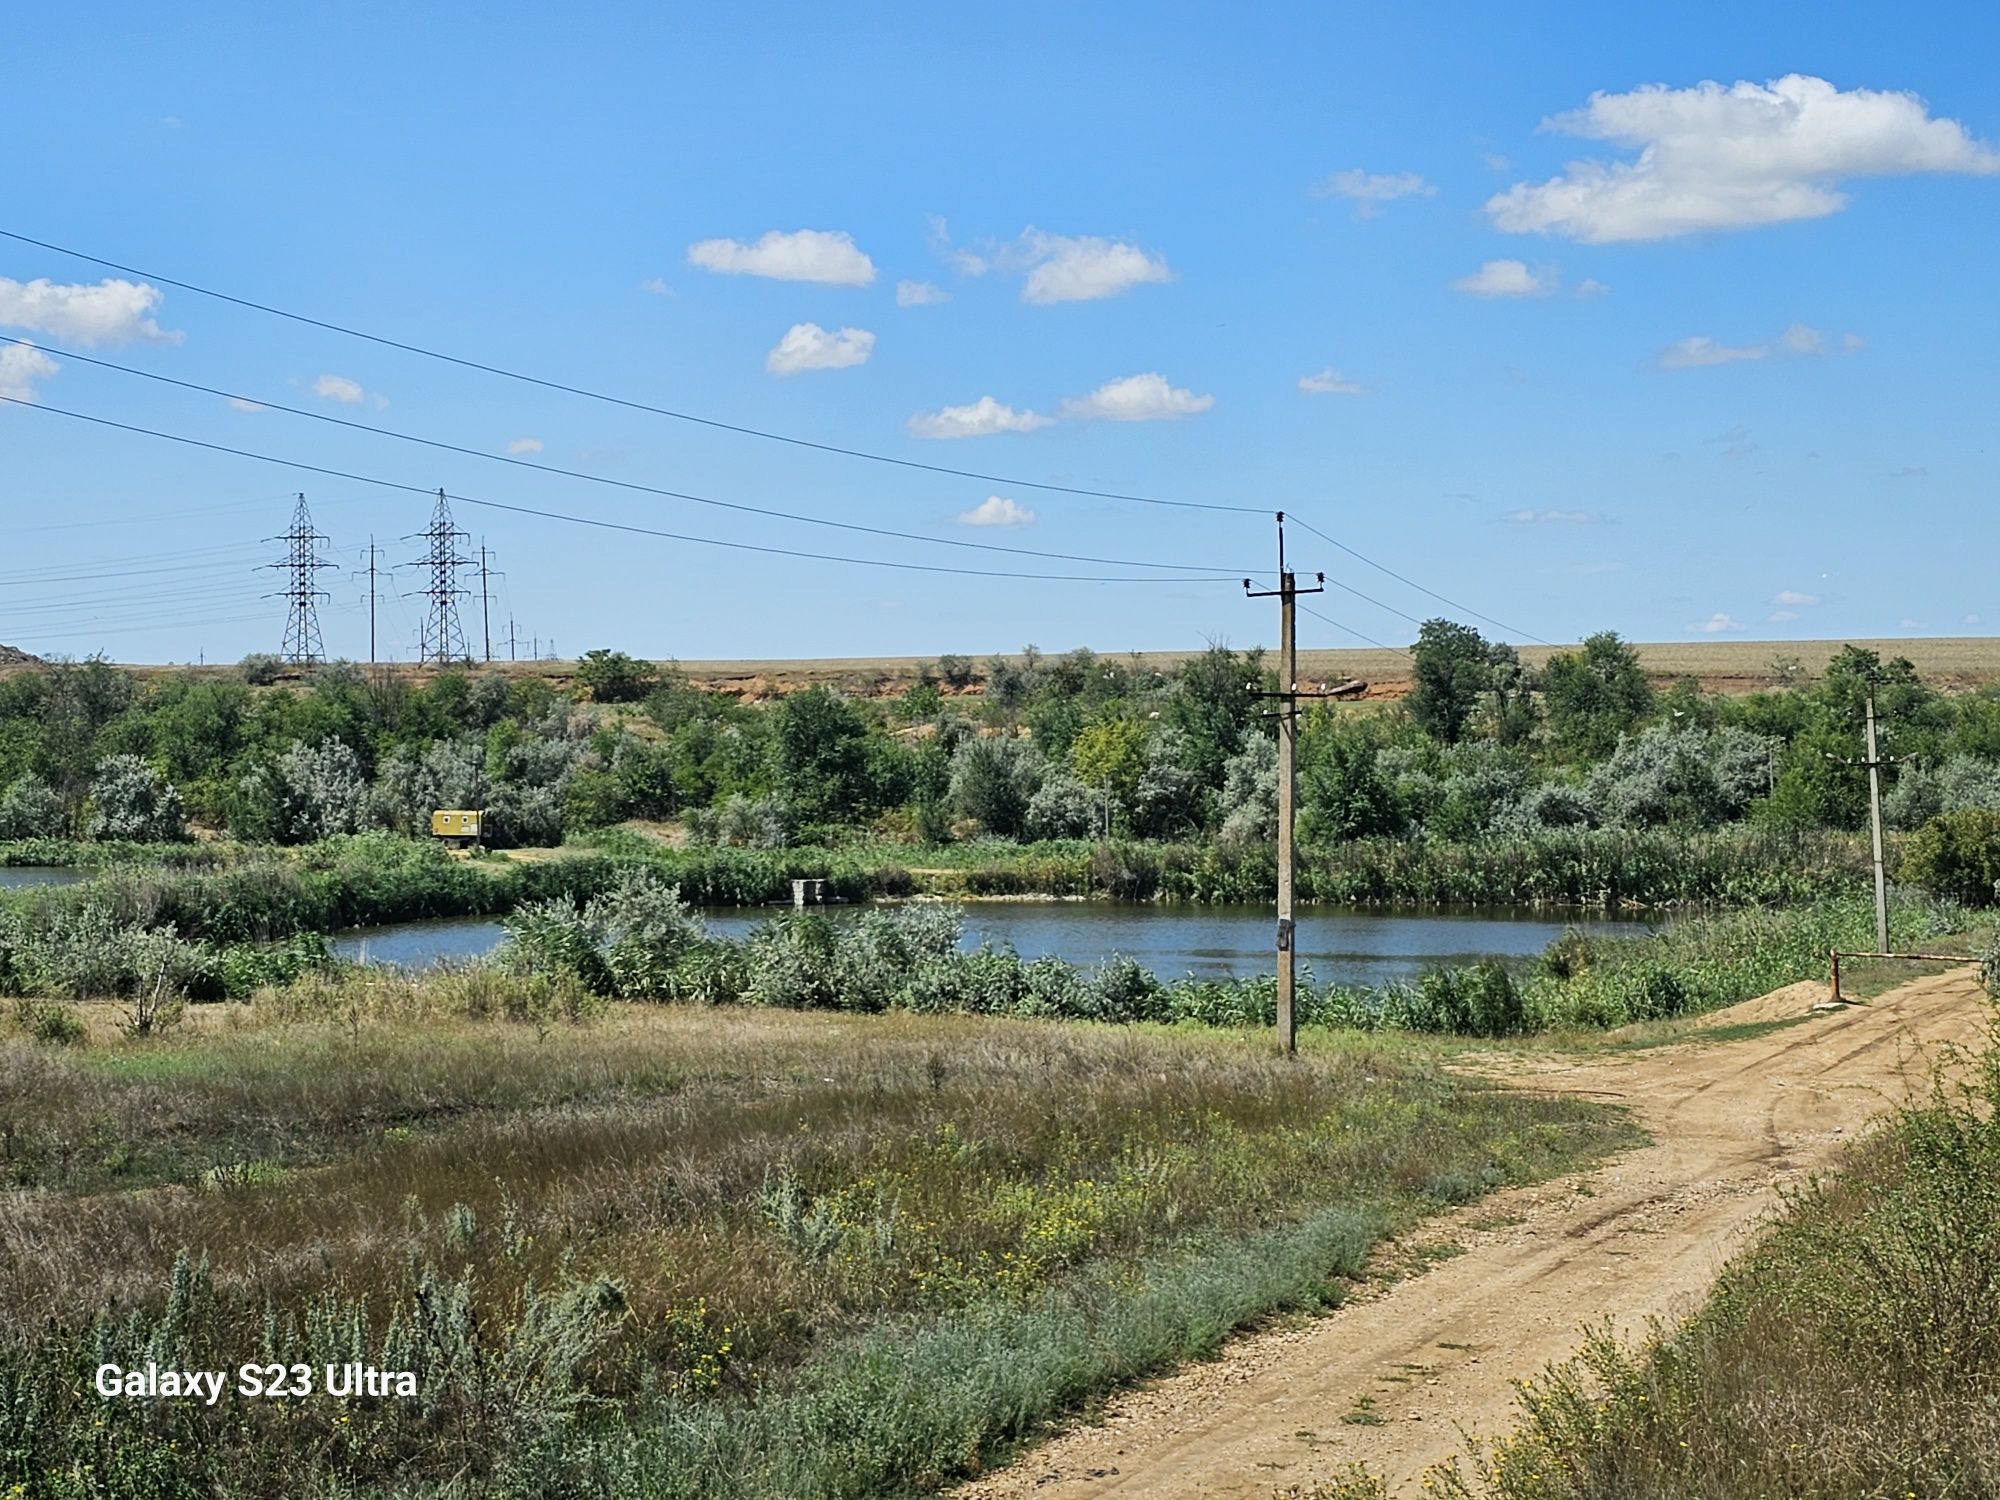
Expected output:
(1875, 827)
(1288, 695)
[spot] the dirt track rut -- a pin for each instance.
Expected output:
(1640, 1236)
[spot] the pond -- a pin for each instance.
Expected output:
(1342, 944)
(14, 876)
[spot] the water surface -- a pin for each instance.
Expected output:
(12, 877)
(1350, 946)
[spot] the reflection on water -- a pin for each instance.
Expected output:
(1352, 947)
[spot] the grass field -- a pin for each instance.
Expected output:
(677, 1250)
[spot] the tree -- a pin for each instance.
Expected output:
(819, 760)
(447, 773)
(1169, 799)
(1511, 710)
(1249, 804)
(130, 800)
(310, 792)
(30, 809)
(1595, 696)
(1064, 808)
(613, 677)
(1214, 702)
(1453, 668)
(1110, 757)
(994, 779)
(1343, 792)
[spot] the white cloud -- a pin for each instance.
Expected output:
(525, 445)
(1691, 353)
(1137, 398)
(1716, 158)
(111, 312)
(239, 403)
(1061, 267)
(1330, 382)
(1544, 517)
(1368, 191)
(829, 257)
(1797, 341)
(996, 510)
(1907, 623)
(919, 294)
(1970, 620)
(1084, 268)
(1716, 624)
(1506, 278)
(981, 418)
(807, 346)
(1782, 616)
(1590, 286)
(1793, 598)
(657, 286)
(21, 365)
(344, 392)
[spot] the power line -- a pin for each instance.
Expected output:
(1411, 582)
(1349, 629)
(183, 570)
(593, 521)
(742, 430)
(588, 394)
(604, 479)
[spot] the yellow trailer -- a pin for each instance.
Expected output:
(458, 827)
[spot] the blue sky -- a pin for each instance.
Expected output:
(1681, 362)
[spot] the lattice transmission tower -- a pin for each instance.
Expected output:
(302, 593)
(442, 638)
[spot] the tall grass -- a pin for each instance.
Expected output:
(1854, 1352)
(638, 942)
(679, 1252)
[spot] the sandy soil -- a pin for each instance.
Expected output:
(1432, 1356)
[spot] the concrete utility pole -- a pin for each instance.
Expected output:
(1288, 696)
(1875, 827)
(486, 574)
(371, 601)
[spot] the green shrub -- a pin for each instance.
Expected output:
(51, 1023)
(1956, 855)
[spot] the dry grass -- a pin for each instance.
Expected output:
(758, 1185)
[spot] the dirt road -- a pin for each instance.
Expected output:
(1390, 1380)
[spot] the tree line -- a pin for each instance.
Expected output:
(1070, 746)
